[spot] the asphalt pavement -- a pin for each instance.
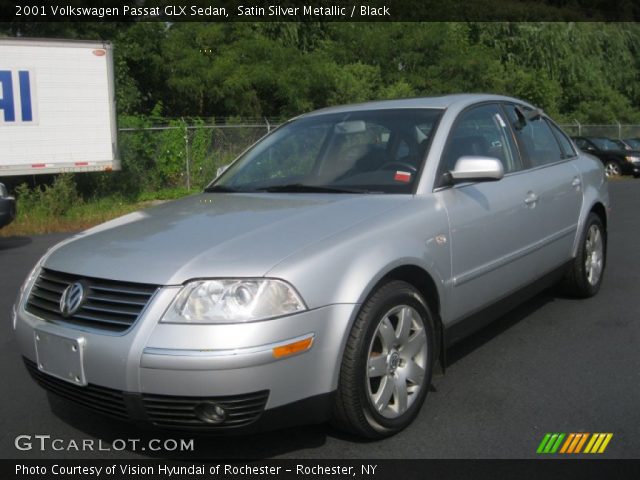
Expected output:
(552, 365)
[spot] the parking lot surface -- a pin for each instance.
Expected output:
(552, 365)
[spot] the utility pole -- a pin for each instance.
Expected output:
(186, 149)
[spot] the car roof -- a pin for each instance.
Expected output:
(446, 101)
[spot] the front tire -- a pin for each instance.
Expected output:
(387, 363)
(585, 276)
(612, 169)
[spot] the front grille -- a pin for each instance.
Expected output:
(179, 412)
(104, 400)
(110, 305)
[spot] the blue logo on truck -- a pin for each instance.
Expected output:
(15, 93)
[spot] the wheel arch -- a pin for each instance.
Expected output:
(599, 209)
(426, 284)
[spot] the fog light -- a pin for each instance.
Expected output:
(210, 412)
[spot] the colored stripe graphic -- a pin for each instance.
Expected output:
(598, 443)
(543, 443)
(550, 443)
(603, 447)
(581, 443)
(567, 443)
(573, 443)
(556, 445)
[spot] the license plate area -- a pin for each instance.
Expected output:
(60, 356)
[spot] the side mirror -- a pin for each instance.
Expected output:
(221, 170)
(476, 168)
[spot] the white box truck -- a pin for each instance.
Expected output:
(57, 107)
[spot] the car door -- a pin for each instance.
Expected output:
(556, 190)
(491, 227)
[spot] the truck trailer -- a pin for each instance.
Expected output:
(57, 107)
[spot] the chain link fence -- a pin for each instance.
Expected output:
(617, 130)
(183, 155)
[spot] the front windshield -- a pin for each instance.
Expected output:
(635, 144)
(379, 151)
(605, 144)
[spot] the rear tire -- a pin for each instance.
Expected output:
(387, 364)
(585, 276)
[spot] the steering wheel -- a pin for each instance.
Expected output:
(396, 165)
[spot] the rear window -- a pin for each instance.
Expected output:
(567, 149)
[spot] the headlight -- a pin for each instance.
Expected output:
(632, 159)
(233, 301)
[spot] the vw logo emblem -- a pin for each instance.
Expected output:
(72, 299)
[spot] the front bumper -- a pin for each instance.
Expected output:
(245, 413)
(187, 364)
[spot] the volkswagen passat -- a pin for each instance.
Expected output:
(323, 274)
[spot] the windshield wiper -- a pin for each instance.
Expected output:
(302, 188)
(220, 189)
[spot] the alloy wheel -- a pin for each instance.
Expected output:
(612, 169)
(396, 362)
(594, 255)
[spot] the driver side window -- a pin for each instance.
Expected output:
(481, 131)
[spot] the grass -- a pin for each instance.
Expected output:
(37, 219)
(79, 217)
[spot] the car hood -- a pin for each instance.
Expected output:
(628, 153)
(213, 235)
(620, 153)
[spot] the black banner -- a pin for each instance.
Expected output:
(316, 10)
(327, 469)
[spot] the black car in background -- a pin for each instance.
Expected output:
(7, 207)
(616, 161)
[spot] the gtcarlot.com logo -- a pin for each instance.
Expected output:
(48, 443)
(573, 443)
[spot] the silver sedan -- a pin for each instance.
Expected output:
(324, 273)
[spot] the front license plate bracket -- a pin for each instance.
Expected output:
(61, 356)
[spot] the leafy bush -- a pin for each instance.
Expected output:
(51, 200)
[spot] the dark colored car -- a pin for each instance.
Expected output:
(616, 160)
(7, 207)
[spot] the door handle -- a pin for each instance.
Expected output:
(531, 199)
(576, 182)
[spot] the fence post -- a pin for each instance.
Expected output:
(186, 149)
(619, 130)
(579, 127)
(268, 124)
